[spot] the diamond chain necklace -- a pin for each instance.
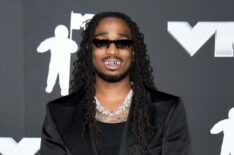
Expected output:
(125, 104)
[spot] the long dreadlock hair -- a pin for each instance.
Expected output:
(140, 74)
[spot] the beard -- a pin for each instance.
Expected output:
(112, 78)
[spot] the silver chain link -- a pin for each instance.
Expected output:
(125, 104)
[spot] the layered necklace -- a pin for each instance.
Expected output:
(125, 104)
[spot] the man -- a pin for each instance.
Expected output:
(114, 107)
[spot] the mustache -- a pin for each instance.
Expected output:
(111, 57)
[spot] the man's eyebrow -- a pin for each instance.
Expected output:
(120, 34)
(100, 34)
(124, 35)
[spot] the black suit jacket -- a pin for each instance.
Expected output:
(62, 128)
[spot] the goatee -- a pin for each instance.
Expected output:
(112, 78)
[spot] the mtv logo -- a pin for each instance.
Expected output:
(193, 38)
(26, 146)
(78, 21)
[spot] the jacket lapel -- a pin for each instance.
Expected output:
(73, 137)
(69, 118)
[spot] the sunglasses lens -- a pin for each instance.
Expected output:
(101, 43)
(104, 43)
(123, 43)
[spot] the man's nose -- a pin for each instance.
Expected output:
(112, 49)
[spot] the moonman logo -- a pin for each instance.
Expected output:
(61, 46)
(227, 127)
(193, 38)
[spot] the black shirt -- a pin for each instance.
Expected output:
(111, 139)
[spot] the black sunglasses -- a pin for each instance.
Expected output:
(105, 43)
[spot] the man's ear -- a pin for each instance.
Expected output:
(132, 55)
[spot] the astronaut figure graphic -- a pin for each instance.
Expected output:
(60, 47)
(227, 127)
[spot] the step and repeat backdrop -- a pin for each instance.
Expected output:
(190, 44)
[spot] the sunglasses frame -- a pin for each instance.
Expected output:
(107, 42)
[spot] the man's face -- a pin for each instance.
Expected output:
(112, 28)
